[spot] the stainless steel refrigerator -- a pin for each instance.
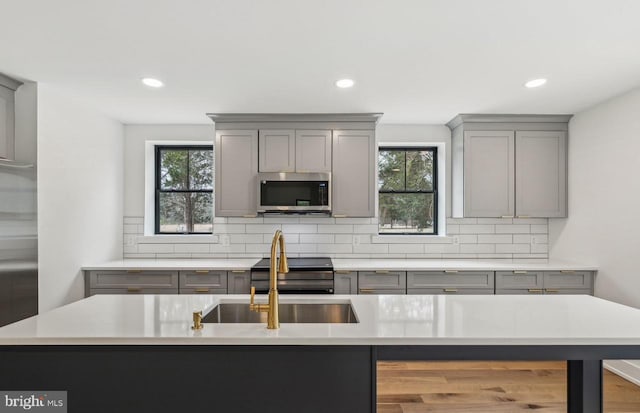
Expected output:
(18, 204)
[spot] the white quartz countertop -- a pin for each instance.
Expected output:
(348, 264)
(383, 320)
(458, 265)
(177, 264)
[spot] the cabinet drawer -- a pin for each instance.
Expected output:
(567, 291)
(382, 279)
(519, 279)
(521, 291)
(133, 290)
(124, 279)
(202, 290)
(459, 291)
(381, 291)
(568, 279)
(203, 278)
(453, 279)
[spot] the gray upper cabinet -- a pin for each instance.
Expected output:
(313, 151)
(509, 165)
(277, 150)
(489, 173)
(353, 176)
(541, 173)
(236, 165)
(7, 122)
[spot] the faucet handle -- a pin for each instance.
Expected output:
(253, 294)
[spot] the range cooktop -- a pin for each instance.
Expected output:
(306, 263)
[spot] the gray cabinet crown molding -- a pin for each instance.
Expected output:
(505, 118)
(9, 83)
(295, 117)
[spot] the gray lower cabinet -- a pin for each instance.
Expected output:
(382, 282)
(18, 295)
(450, 282)
(7, 120)
(203, 282)
(345, 282)
(132, 282)
(239, 281)
(544, 282)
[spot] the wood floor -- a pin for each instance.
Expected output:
(496, 386)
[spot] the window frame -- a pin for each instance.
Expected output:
(158, 187)
(434, 150)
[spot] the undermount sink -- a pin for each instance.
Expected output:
(340, 313)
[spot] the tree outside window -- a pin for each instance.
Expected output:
(184, 190)
(407, 189)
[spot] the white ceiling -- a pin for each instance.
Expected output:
(420, 61)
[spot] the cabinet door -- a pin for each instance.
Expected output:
(133, 278)
(353, 177)
(568, 279)
(345, 282)
(277, 150)
(541, 174)
(451, 279)
(203, 278)
(382, 280)
(489, 167)
(239, 282)
(313, 151)
(509, 280)
(236, 168)
(7, 120)
(24, 290)
(5, 299)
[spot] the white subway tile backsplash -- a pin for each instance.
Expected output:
(156, 248)
(334, 248)
(344, 238)
(513, 248)
(262, 228)
(540, 229)
(406, 248)
(500, 221)
(477, 248)
(241, 220)
(229, 229)
(462, 221)
(495, 239)
(371, 249)
(300, 229)
(365, 229)
(513, 229)
(191, 248)
(478, 238)
(317, 239)
(335, 229)
(522, 238)
(477, 229)
(247, 238)
(354, 221)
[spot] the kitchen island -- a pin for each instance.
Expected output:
(139, 353)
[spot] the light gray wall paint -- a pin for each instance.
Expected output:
(603, 224)
(80, 174)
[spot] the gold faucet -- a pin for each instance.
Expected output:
(273, 321)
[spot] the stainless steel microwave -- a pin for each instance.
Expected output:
(286, 192)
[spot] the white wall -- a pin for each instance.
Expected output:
(604, 197)
(80, 174)
(134, 156)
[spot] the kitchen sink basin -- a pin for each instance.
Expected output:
(341, 313)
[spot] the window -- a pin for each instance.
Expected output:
(407, 190)
(184, 190)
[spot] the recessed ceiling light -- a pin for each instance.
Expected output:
(535, 83)
(345, 83)
(151, 82)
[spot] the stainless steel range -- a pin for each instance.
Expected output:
(305, 276)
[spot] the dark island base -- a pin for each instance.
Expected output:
(229, 379)
(252, 379)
